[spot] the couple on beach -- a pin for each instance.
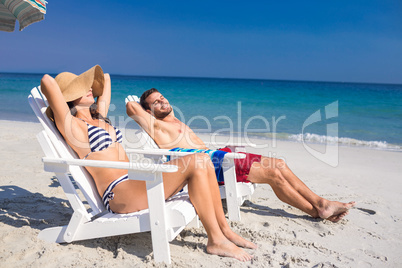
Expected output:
(83, 123)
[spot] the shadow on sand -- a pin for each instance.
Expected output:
(20, 208)
(250, 207)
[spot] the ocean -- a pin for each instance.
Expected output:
(368, 115)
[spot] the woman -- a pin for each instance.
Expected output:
(87, 130)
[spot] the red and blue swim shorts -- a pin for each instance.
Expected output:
(243, 166)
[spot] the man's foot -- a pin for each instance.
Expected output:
(228, 249)
(238, 240)
(337, 217)
(333, 210)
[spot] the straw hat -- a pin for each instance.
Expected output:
(74, 86)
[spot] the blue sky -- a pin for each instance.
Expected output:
(345, 41)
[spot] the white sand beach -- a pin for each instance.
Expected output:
(370, 236)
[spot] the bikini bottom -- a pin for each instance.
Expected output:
(108, 194)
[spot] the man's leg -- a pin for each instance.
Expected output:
(262, 172)
(291, 190)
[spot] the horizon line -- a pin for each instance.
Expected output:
(222, 78)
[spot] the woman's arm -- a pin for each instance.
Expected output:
(103, 101)
(74, 133)
(57, 103)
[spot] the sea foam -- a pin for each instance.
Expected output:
(315, 138)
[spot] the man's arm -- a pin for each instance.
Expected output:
(143, 118)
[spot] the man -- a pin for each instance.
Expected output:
(156, 116)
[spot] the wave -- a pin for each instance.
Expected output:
(315, 138)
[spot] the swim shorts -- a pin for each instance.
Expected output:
(243, 166)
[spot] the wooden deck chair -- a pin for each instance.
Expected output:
(165, 220)
(234, 192)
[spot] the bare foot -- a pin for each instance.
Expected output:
(238, 240)
(337, 218)
(333, 210)
(228, 249)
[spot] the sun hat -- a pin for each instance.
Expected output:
(74, 86)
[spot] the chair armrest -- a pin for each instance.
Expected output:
(62, 165)
(234, 147)
(231, 144)
(178, 154)
(132, 98)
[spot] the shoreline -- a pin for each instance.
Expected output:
(32, 200)
(264, 137)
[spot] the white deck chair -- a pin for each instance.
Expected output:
(234, 192)
(165, 220)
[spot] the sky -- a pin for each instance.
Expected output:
(341, 41)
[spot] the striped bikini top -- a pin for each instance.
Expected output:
(100, 139)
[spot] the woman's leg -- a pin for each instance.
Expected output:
(202, 187)
(220, 214)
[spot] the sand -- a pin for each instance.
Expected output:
(32, 200)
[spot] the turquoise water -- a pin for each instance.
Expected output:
(366, 114)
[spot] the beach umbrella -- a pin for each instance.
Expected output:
(26, 11)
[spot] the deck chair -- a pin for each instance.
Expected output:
(234, 192)
(90, 219)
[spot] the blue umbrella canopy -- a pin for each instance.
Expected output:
(25, 11)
